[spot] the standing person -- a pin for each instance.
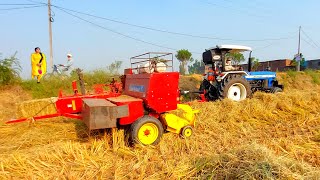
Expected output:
(38, 64)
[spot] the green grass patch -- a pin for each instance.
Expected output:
(315, 75)
(50, 87)
(292, 73)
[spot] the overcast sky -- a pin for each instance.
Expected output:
(269, 27)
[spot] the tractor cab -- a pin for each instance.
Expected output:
(226, 80)
(218, 56)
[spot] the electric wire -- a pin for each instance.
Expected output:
(154, 29)
(24, 7)
(6, 4)
(234, 9)
(310, 39)
(256, 5)
(161, 30)
(309, 43)
(171, 32)
(121, 34)
(264, 47)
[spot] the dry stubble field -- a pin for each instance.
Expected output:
(266, 137)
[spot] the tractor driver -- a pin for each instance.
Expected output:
(229, 66)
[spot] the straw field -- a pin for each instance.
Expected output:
(266, 137)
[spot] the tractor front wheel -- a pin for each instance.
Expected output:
(275, 90)
(147, 130)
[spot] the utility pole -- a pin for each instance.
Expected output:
(50, 33)
(298, 61)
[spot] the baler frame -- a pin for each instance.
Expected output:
(146, 107)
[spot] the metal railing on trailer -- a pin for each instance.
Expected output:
(151, 61)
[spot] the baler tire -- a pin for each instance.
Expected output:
(186, 132)
(234, 80)
(141, 126)
(275, 90)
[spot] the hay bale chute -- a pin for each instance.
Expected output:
(37, 107)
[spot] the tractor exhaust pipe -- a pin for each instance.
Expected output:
(250, 62)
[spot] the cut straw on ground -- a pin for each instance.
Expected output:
(271, 136)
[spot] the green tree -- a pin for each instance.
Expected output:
(237, 58)
(255, 63)
(184, 57)
(197, 67)
(9, 70)
(114, 67)
(302, 61)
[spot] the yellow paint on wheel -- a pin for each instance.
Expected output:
(148, 133)
(187, 132)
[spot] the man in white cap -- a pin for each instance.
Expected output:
(68, 66)
(229, 66)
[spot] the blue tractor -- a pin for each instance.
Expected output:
(224, 80)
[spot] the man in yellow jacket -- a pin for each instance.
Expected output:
(38, 64)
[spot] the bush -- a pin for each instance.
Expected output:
(50, 87)
(9, 70)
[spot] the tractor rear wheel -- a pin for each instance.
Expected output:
(147, 130)
(275, 90)
(234, 87)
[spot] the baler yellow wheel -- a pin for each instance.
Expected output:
(146, 130)
(148, 133)
(186, 131)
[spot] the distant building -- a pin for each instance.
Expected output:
(284, 65)
(313, 64)
(274, 65)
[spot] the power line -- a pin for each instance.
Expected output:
(170, 32)
(228, 7)
(264, 47)
(164, 31)
(38, 2)
(153, 29)
(16, 4)
(261, 48)
(24, 7)
(255, 5)
(309, 43)
(310, 39)
(121, 34)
